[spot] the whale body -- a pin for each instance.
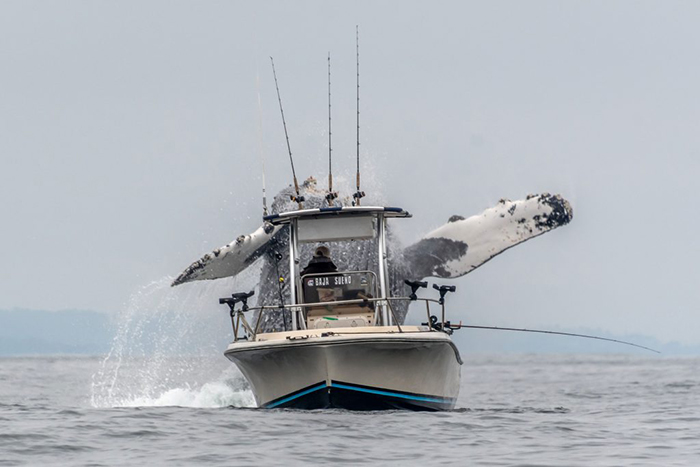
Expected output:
(452, 250)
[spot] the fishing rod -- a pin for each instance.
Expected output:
(298, 198)
(261, 147)
(571, 334)
(260, 143)
(358, 194)
(331, 194)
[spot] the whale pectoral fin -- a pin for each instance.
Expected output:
(462, 245)
(230, 259)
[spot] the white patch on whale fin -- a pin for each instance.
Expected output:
(462, 245)
(230, 259)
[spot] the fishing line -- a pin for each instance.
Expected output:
(586, 336)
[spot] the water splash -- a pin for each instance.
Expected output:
(229, 390)
(169, 341)
(168, 348)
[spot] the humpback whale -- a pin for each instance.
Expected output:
(450, 251)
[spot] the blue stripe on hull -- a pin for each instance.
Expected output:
(289, 398)
(355, 397)
(382, 392)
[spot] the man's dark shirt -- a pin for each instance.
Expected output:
(319, 265)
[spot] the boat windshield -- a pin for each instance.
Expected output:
(335, 286)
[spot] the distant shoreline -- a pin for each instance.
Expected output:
(90, 334)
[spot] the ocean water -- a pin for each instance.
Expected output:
(515, 410)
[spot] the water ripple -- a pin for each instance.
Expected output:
(591, 411)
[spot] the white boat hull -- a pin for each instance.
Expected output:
(366, 369)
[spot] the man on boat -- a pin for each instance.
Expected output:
(319, 290)
(320, 263)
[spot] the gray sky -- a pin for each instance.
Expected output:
(128, 142)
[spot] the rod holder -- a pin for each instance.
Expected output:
(415, 285)
(237, 298)
(443, 289)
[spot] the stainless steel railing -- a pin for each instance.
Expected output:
(239, 321)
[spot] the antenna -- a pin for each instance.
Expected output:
(261, 147)
(298, 198)
(260, 142)
(331, 195)
(358, 194)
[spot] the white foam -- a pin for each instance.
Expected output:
(210, 395)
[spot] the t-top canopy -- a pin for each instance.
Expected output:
(335, 212)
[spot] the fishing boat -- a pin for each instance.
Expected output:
(345, 347)
(329, 338)
(342, 341)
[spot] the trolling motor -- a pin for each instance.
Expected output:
(415, 285)
(239, 319)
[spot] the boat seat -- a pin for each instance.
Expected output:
(318, 317)
(344, 322)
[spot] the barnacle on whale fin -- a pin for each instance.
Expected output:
(561, 214)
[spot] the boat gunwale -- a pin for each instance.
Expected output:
(336, 339)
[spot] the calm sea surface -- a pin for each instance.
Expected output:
(567, 410)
